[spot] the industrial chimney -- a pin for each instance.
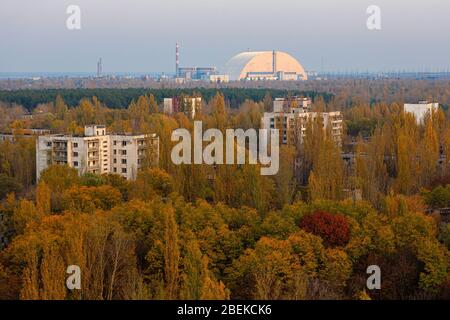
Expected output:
(177, 59)
(274, 61)
(99, 68)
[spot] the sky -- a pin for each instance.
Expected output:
(140, 35)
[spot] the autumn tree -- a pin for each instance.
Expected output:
(8, 185)
(43, 198)
(327, 179)
(58, 178)
(285, 179)
(429, 154)
(333, 229)
(192, 272)
(171, 255)
(370, 167)
(153, 105)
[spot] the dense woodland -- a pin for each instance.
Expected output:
(121, 98)
(225, 231)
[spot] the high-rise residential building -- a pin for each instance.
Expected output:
(98, 152)
(291, 115)
(190, 106)
(421, 110)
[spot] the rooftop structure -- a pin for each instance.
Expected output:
(22, 133)
(292, 104)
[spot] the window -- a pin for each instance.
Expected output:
(115, 151)
(124, 170)
(115, 169)
(49, 144)
(124, 161)
(115, 142)
(124, 152)
(75, 154)
(124, 143)
(75, 163)
(75, 145)
(115, 161)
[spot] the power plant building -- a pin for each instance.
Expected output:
(196, 73)
(264, 65)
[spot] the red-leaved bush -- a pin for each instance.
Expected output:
(332, 228)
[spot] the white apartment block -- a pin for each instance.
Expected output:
(97, 152)
(421, 110)
(291, 120)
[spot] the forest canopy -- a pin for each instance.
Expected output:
(121, 98)
(225, 231)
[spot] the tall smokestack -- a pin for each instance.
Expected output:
(274, 61)
(177, 59)
(99, 68)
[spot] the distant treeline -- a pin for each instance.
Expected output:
(121, 98)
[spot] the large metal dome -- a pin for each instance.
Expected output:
(263, 64)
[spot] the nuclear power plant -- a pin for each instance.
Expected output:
(251, 65)
(192, 73)
(264, 65)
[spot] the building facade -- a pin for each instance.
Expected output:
(190, 106)
(219, 78)
(292, 104)
(291, 116)
(196, 73)
(421, 110)
(98, 152)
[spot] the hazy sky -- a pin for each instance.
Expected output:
(140, 35)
